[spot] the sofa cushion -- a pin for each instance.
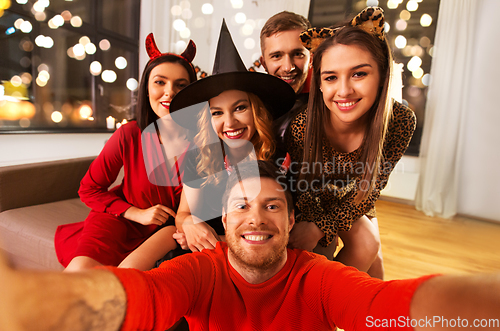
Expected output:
(43, 182)
(27, 234)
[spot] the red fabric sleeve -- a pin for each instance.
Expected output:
(101, 174)
(158, 298)
(355, 301)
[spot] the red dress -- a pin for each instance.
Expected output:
(105, 236)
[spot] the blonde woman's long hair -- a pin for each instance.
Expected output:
(211, 157)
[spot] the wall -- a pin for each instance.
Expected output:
(27, 148)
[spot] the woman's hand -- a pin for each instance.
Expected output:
(305, 235)
(198, 235)
(181, 239)
(158, 215)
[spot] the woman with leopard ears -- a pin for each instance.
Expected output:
(348, 140)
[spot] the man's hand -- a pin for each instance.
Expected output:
(158, 215)
(93, 300)
(198, 235)
(305, 235)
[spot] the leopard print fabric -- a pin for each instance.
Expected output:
(311, 38)
(330, 201)
(371, 20)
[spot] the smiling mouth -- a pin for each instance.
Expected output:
(288, 79)
(346, 105)
(254, 237)
(165, 104)
(234, 134)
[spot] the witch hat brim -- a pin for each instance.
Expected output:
(229, 73)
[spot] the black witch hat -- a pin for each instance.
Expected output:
(229, 73)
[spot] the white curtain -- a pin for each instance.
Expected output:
(447, 104)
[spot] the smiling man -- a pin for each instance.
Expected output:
(284, 56)
(252, 283)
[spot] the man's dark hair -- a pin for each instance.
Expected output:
(264, 169)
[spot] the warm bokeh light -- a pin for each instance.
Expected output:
(246, 30)
(391, 4)
(400, 42)
(199, 22)
(249, 43)
(26, 78)
(58, 20)
(187, 14)
(425, 20)
(426, 79)
(78, 50)
(66, 15)
(237, 4)
(16, 81)
(207, 8)
(42, 67)
(76, 21)
(176, 10)
(104, 44)
(26, 27)
(56, 117)
(180, 46)
(179, 25)
(70, 53)
(240, 18)
(95, 68)
(18, 22)
(40, 16)
(401, 25)
(84, 40)
(186, 33)
(85, 111)
(132, 84)
(121, 62)
(414, 63)
(108, 76)
(12, 109)
(405, 15)
(412, 5)
(417, 73)
(90, 48)
(425, 41)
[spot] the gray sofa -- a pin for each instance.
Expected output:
(34, 199)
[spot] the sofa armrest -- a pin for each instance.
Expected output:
(36, 183)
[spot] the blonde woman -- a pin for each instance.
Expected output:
(231, 113)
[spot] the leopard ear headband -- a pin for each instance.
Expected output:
(371, 20)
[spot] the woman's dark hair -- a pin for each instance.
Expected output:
(378, 116)
(144, 114)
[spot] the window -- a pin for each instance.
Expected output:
(68, 66)
(412, 26)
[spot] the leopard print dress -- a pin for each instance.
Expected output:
(329, 201)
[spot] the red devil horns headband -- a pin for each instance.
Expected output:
(154, 52)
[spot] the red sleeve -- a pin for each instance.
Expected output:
(355, 301)
(102, 173)
(158, 298)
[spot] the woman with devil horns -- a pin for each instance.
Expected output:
(123, 217)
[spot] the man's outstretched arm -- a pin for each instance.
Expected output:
(452, 302)
(29, 300)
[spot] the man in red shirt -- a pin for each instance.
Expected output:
(252, 283)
